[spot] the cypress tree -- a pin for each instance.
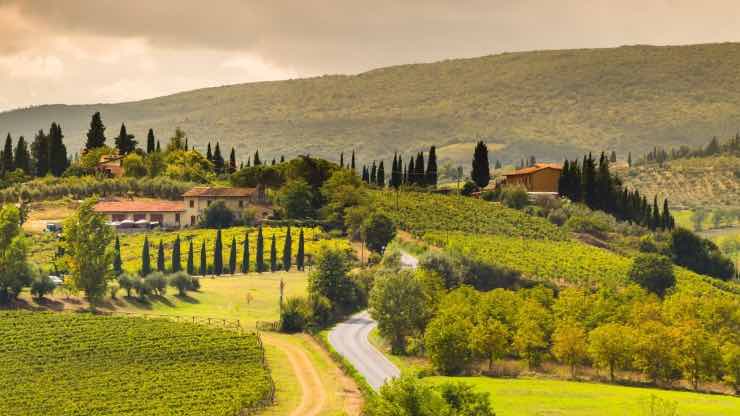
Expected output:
(158, 149)
(117, 262)
(125, 142)
(260, 251)
(40, 153)
(218, 160)
(419, 170)
(245, 254)
(282, 158)
(481, 173)
(365, 175)
(393, 181)
(7, 159)
(218, 255)
(232, 256)
(273, 255)
(613, 157)
(341, 160)
(58, 161)
(629, 159)
(191, 261)
(22, 156)
(273, 161)
(656, 221)
(256, 160)
(287, 254)
(374, 174)
(667, 217)
(300, 254)
(353, 161)
(96, 133)
(176, 263)
(411, 172)
(150, 143)
(497, 165)
(232, 161)
(564, 181)
(146, 266)
(160, 257)
(589, 181)
(431, 176)
(380, 178)
(209, 153)
(203, 260)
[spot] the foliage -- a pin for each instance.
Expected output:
(156, 282)
(294, 315)
(181, 281)
(15, 272)
(515, 197)
(344, 191)
(182, 165)
(610, 347)
(134, 166)
(377, 231)
(330, 279)
(89, 360)
(295, 198)
(653, 272)
(218, 215)
(569, 344)
(397, 303)
(42, 286)
(699, 254)
(447, 341)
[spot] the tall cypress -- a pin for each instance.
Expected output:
(160, 257)
(22, 158)
(564, 180)
(232, 161)
(146, 266)
(365, 175)
(667, 217)
(300, 254)
(150, 142)
(7, 153)
(419, 170)
(218, 255)
(380, 178)
(353, 161)
(588, 179)
(393, 181)
(125, 142)
(218, 160)
(191, 260)
(287, 250)
(411, 172)
(256, 160)
(58, 161)
(40, 154)
(245, 254)
(656, 221)
(209, 153)
(117, 262)
(203, 259)
(374, 174)
(232, 256)
(158, 148)
(431, 176)
(481, 173)
(341, 160)
(176, 263)
(273, 255)
(260, 256)
(96, 133)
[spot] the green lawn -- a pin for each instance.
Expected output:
(525, 397)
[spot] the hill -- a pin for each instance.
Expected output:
(546, 103)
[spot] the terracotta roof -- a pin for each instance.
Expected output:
(203, 191)
(140, 206)
(536, 168)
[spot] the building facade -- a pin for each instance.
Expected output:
(236, 199)
(169, 214)
(542, 177)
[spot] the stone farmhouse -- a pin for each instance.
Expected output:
(542, 177)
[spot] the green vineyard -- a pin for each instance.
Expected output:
(419, 213)
(79, 364)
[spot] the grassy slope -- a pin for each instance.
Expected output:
(629, 98)
(531, 397)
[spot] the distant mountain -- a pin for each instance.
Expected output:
(547, 103)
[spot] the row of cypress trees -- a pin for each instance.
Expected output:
(413, 173)
(218, 266)
(47, 154)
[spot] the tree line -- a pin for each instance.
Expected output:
(660, 155)
(47, 155)
(413, 173)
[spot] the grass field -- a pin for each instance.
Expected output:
(82, 364)
(534, 397)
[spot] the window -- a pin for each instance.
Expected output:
(241, 204)
(139, 217)
(118, 217)
(192, 220)
(208, 203)
(192, 203)
(177, 218)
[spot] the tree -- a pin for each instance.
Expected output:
(96, 133)
(481, 173)
(146, 267)
(256, 160)
(22, 158)
(731, 362)
(218, 160)
(209, 153)
(531, 339)
(377, 231)
(273, 255)
(232, 161)
(654, 272)
(447, 340)
(203, 260)
(58, 161)
(698, 353)
(125, 142)
(191, 260)
(218, 255)
(260, 256)
(176, 263)
(42, 286)
(629, 159)
(218, 215)
(117, 262)
(178, 141)
(431, 174)
(295, 197)
(6, 164)
(330, 279)
(569, 344)
(160, 257)
(610, 347)
(380, 176)
(245, 254)
(397, 303)
(134, 166)
(299, 257)
(490, 340)
(232, 256)
(181, 281)
(40, 153)
(654, 352)
(287, 246)
(87, 237)
(613, 157)
(150, 142)
(15, 272)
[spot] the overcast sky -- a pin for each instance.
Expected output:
(88, 51)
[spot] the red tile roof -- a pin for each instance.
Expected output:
(204, 191)
(536, 168)
(140, 206)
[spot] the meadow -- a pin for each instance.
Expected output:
(536, 397)
(81, 364)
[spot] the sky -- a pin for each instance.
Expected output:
(91, 51)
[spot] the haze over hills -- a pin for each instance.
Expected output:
(547, 103)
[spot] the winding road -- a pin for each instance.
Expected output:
(350, 339)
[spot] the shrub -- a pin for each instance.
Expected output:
(218, 215)
(558, 216)
(42, 286)
(321, 310)
(594, 223)
(295, 314)
(515, 197)
(469, 187)
(141, 287)
(157, 283)
(653, 272)
(181, 281)
(194, 283)
(127, 282)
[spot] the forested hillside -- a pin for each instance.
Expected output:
(628, 99)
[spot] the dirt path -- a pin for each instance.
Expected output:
(313, 396)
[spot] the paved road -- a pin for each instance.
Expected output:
(349, 339)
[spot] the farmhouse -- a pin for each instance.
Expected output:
(542, 177)
(236, 199)
(167, 213)
(111, 165)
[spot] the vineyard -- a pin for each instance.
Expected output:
(562, 262)
(419, 213)
(78, 364)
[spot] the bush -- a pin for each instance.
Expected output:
(321, 310)
(194, 283)
(377, 231)
(42, 286)
(181, 281)
(157, 283)
(218, 215)
(469, 188)
(141, 287)
(127, 282)
(491, 196)
(558, 216)
(594, 223)
(653, 272)
(515, 197)
(295, 315)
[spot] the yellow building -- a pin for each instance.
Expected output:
(236, 199)
(542, 177)
(167, 214)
